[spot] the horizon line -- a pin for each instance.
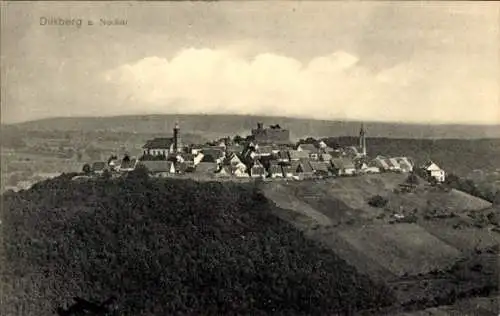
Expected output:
(251, 115)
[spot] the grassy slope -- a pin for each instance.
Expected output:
(346, 198)
(344, 202)
(164, 246)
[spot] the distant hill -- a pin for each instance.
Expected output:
(224, 125)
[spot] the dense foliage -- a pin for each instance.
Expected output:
(468, 186)
(167, 247)
(460, 156)
(377, 201)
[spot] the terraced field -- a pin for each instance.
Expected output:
(422, 259)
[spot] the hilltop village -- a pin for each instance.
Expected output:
(267, 153)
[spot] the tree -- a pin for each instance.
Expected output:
(86, 169)
(377, 201)
(106, 174)
(238, 139)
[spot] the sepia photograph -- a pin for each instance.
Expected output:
(250, 158)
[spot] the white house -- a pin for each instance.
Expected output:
(434, 171)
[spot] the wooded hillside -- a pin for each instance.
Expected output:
(164, 247)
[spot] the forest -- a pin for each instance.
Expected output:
(165, 247)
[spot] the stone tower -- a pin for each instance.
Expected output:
(362, 140)
(177, 140)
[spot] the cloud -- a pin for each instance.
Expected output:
(334, 86)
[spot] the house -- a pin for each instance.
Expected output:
(307, 147)
(98, 167)
(322, 145)
(158, 167)
(275, 171)
(343, 167)
(351, 152)
(185, 167)
(367, 168)
(432, 170)
(195, 149)
(231, 159)
(113, 163)
(198, 158)
(405, 164)
(311, 149)
(302, 168)
(234, 149)
(283, 156)
(212, 154)
(128, 164)
(298, 154)
(257, 171)
(320, 168)
(394, 164)
(325, 157)
(263, 151)
(287, 171)
(207, 168)
(380, 162)
(183, 157)
(224, 171)
(239, 171)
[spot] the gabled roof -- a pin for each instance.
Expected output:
(99, 166)
(430, 165)
(309, 147)
(206, 167)
(234, 149)
(186, 156)
(303, 165)
(232, 159)
(275, 169)
(287, 169)
(265, 149)
(258, 169)
(295, 154)
(155, 166)
(159, 143)
(390, 163)
(320, 166)
(395, 163)
(326, 157)
(224, 171)
(343, 163)
(215, 152)
(128, 164)
(184, 167)
(283, 154)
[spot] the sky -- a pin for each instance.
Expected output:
(414, 62)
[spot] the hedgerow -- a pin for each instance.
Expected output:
(166, 247)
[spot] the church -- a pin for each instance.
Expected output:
(164, 146)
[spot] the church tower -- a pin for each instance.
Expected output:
(362, 140)
(177, 140)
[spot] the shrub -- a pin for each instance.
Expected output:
(377, 201)
(412, 179)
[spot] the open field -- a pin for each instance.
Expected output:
(345, 199)
(427, 262)
(401, 248)
(466, 239)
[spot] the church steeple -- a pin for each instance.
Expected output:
(177, 144)
(362, 139)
